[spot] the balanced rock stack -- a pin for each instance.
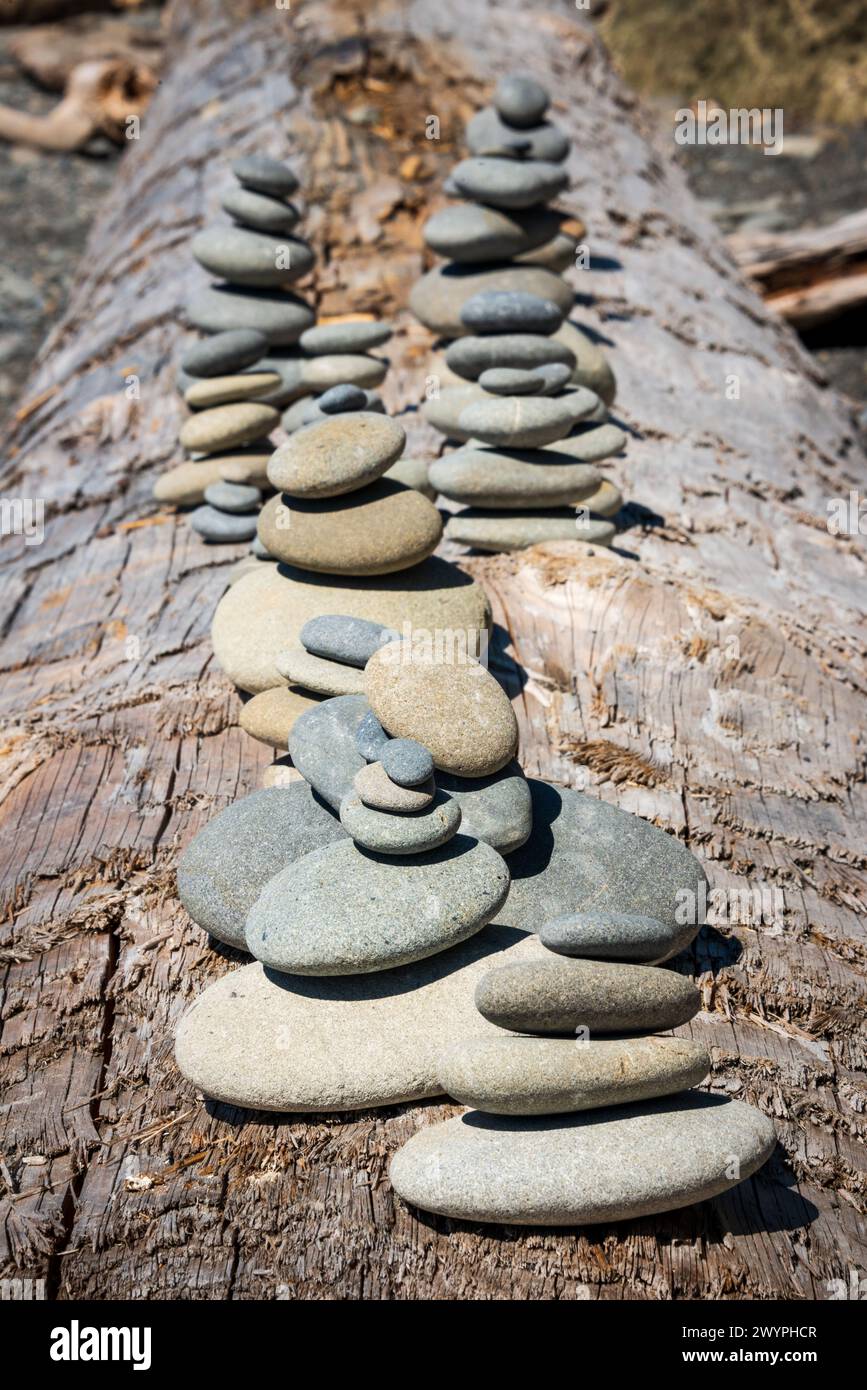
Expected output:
(525, 389)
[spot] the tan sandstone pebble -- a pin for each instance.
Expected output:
(377, 530)
(316, 673)
(222, 390)
(227, 426)
(281, 773)
(269, 717)
(337, 455)
(446, 701)
(376, 789)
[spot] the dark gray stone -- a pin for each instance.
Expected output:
(516, 381)
(520, 101)
(252, 258)
(471, 356)
(225, 352)
(352, 641)
(260, 212)
(282, 317)
(497, 809)
(509, 183)
(338, 399)
(612, 936)
(370, 737)
(223, 526)
(406, 761)
(322, 746)
(510, 311)
(233, 497)
(265, 175)
(224, 869)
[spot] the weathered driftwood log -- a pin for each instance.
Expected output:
(709, 675)
(811, 276)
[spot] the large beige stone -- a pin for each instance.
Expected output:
(375, 530)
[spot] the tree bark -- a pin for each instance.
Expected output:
(708, 675)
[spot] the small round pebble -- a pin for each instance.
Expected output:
(265, 175)
(407, 762)
(223, 526)
(377, 790)
(520, 101)
(352, 641)
(338, 399)
(511, 311)
(231, 351)
(370, 737)
(233, 497)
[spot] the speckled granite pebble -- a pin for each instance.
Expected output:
(561, 994)
(370, 737)
(611, 936)
(378, 529)
(407, 762)
(338, 455)
(322, 746)
(415, 832)
(497, 809)
(227, 426)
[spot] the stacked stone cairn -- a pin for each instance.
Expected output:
(424, 919)
(523, 388)
(264, 352)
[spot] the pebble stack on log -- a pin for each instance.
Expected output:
(523, 388)
(410, 863)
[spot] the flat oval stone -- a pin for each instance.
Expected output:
(270, 716)
(377, 791)
(562, 995)
(525, 422)
(486, 130)
(265, 175)
(252, 258)
(615, 1164)
(448, 701)
(232, 497)
(325, 677)
(514, 481)
(382, 528)
(186, 484)
(322, 746)
(415, 832)
(337, 637)
(520, 101)
(511, 311)
(370, 737)
(439, 296)
(497, 809)
(339, 911)
(224, 869)
(285, 1043)
(337, 369)
(263, 613)
(509, 183)
(348, 335)
(587, 444)
(222, 526)
(586, 855)
(505, 531)
(472, 357)
(226, 426)
(222, 390)
(470, 233)
(258, 211)
(407, 762)
(339, 399)
(611, 936)
(231, 351)
(551, 1076)
(281, 317)
(515, 381)
(337, 455)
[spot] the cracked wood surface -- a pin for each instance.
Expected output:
(709, 675)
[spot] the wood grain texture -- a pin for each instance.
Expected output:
(709, 676)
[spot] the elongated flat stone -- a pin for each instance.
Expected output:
(513, 481)
(280, 316)
(611, 1165)
(186, 483)
(510, 311)
(226, 426)
(222, 390)
(322, 746)
(263, 613)
(232, 497)
(472, 356)
(224, 869)
(313, 673)
(444, 410)
(409, 833)
(231, 351)
(246, 257)
(586, 444)
(377, 530)
(338, 637)
(348, 335)
(339, 911)
(509, 183)
(551, 1076)
(265, 175)
(611, 936)
(446, 700)
(485, 529)
(289, 1043)
(438, 297)
(260, 212)
(337, 455)
(354, 368)
(525, 422)
(497, 809)
(471, 233)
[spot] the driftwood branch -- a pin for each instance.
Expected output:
(812, 276)
(709, 675)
